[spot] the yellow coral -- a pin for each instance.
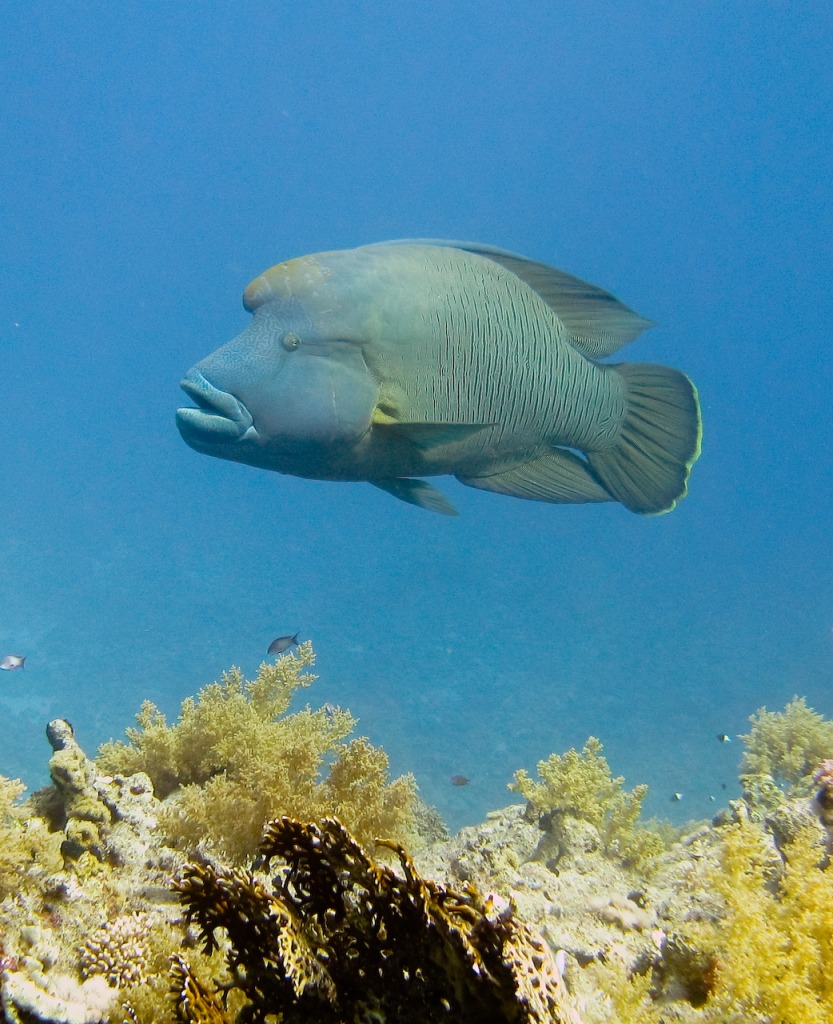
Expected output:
(787, 745)
(776, 945)
(236, 758)
(224, 722)
(579, 784)
(770, 955)
(26, 844)
(357, 791)
(627, 997)
(10, 792)
(11, 833)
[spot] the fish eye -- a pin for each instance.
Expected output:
(290, 341)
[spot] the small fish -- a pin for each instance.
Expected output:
(329, 708)
(676, 797)
(724, 737)
(12, 661)
(283, 643)
(459, 780)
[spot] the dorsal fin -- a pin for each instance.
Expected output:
(597, 322)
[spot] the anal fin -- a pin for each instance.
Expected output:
(417, 492)
(558, 476)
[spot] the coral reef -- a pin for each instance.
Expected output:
(236, 758)
(339, 937)
(732, 923)
(580, 803)
(729, 924)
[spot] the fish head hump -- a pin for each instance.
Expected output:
(293, 391)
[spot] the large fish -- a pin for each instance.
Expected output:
(401, 360)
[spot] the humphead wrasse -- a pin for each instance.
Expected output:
(402, 360)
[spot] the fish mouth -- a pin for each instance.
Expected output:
(219, 417)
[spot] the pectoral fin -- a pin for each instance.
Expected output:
(417, 492)
(559, 476)
(427, 435)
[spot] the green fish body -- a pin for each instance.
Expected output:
(403, 360)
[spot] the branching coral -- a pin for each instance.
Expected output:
(118, 951)
(224, 722)
(787, 745)
(338, 937)
(132, 952)
(579, 785)
(236, 758)
(194, 1002)
(10, 792)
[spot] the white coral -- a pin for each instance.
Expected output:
(118, 952)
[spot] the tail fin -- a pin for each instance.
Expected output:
(647, 470)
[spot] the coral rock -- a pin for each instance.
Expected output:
(60, 999)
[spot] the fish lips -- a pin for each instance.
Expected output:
(218, 419)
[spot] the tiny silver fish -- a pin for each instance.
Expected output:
(676, 797)
(283, 643)
(12, 661)
(724, 737)
(459, 780)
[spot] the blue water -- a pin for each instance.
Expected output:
(155, 157)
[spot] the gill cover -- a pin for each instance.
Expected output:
(324, 394)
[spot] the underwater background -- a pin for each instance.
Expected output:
(156, 157)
